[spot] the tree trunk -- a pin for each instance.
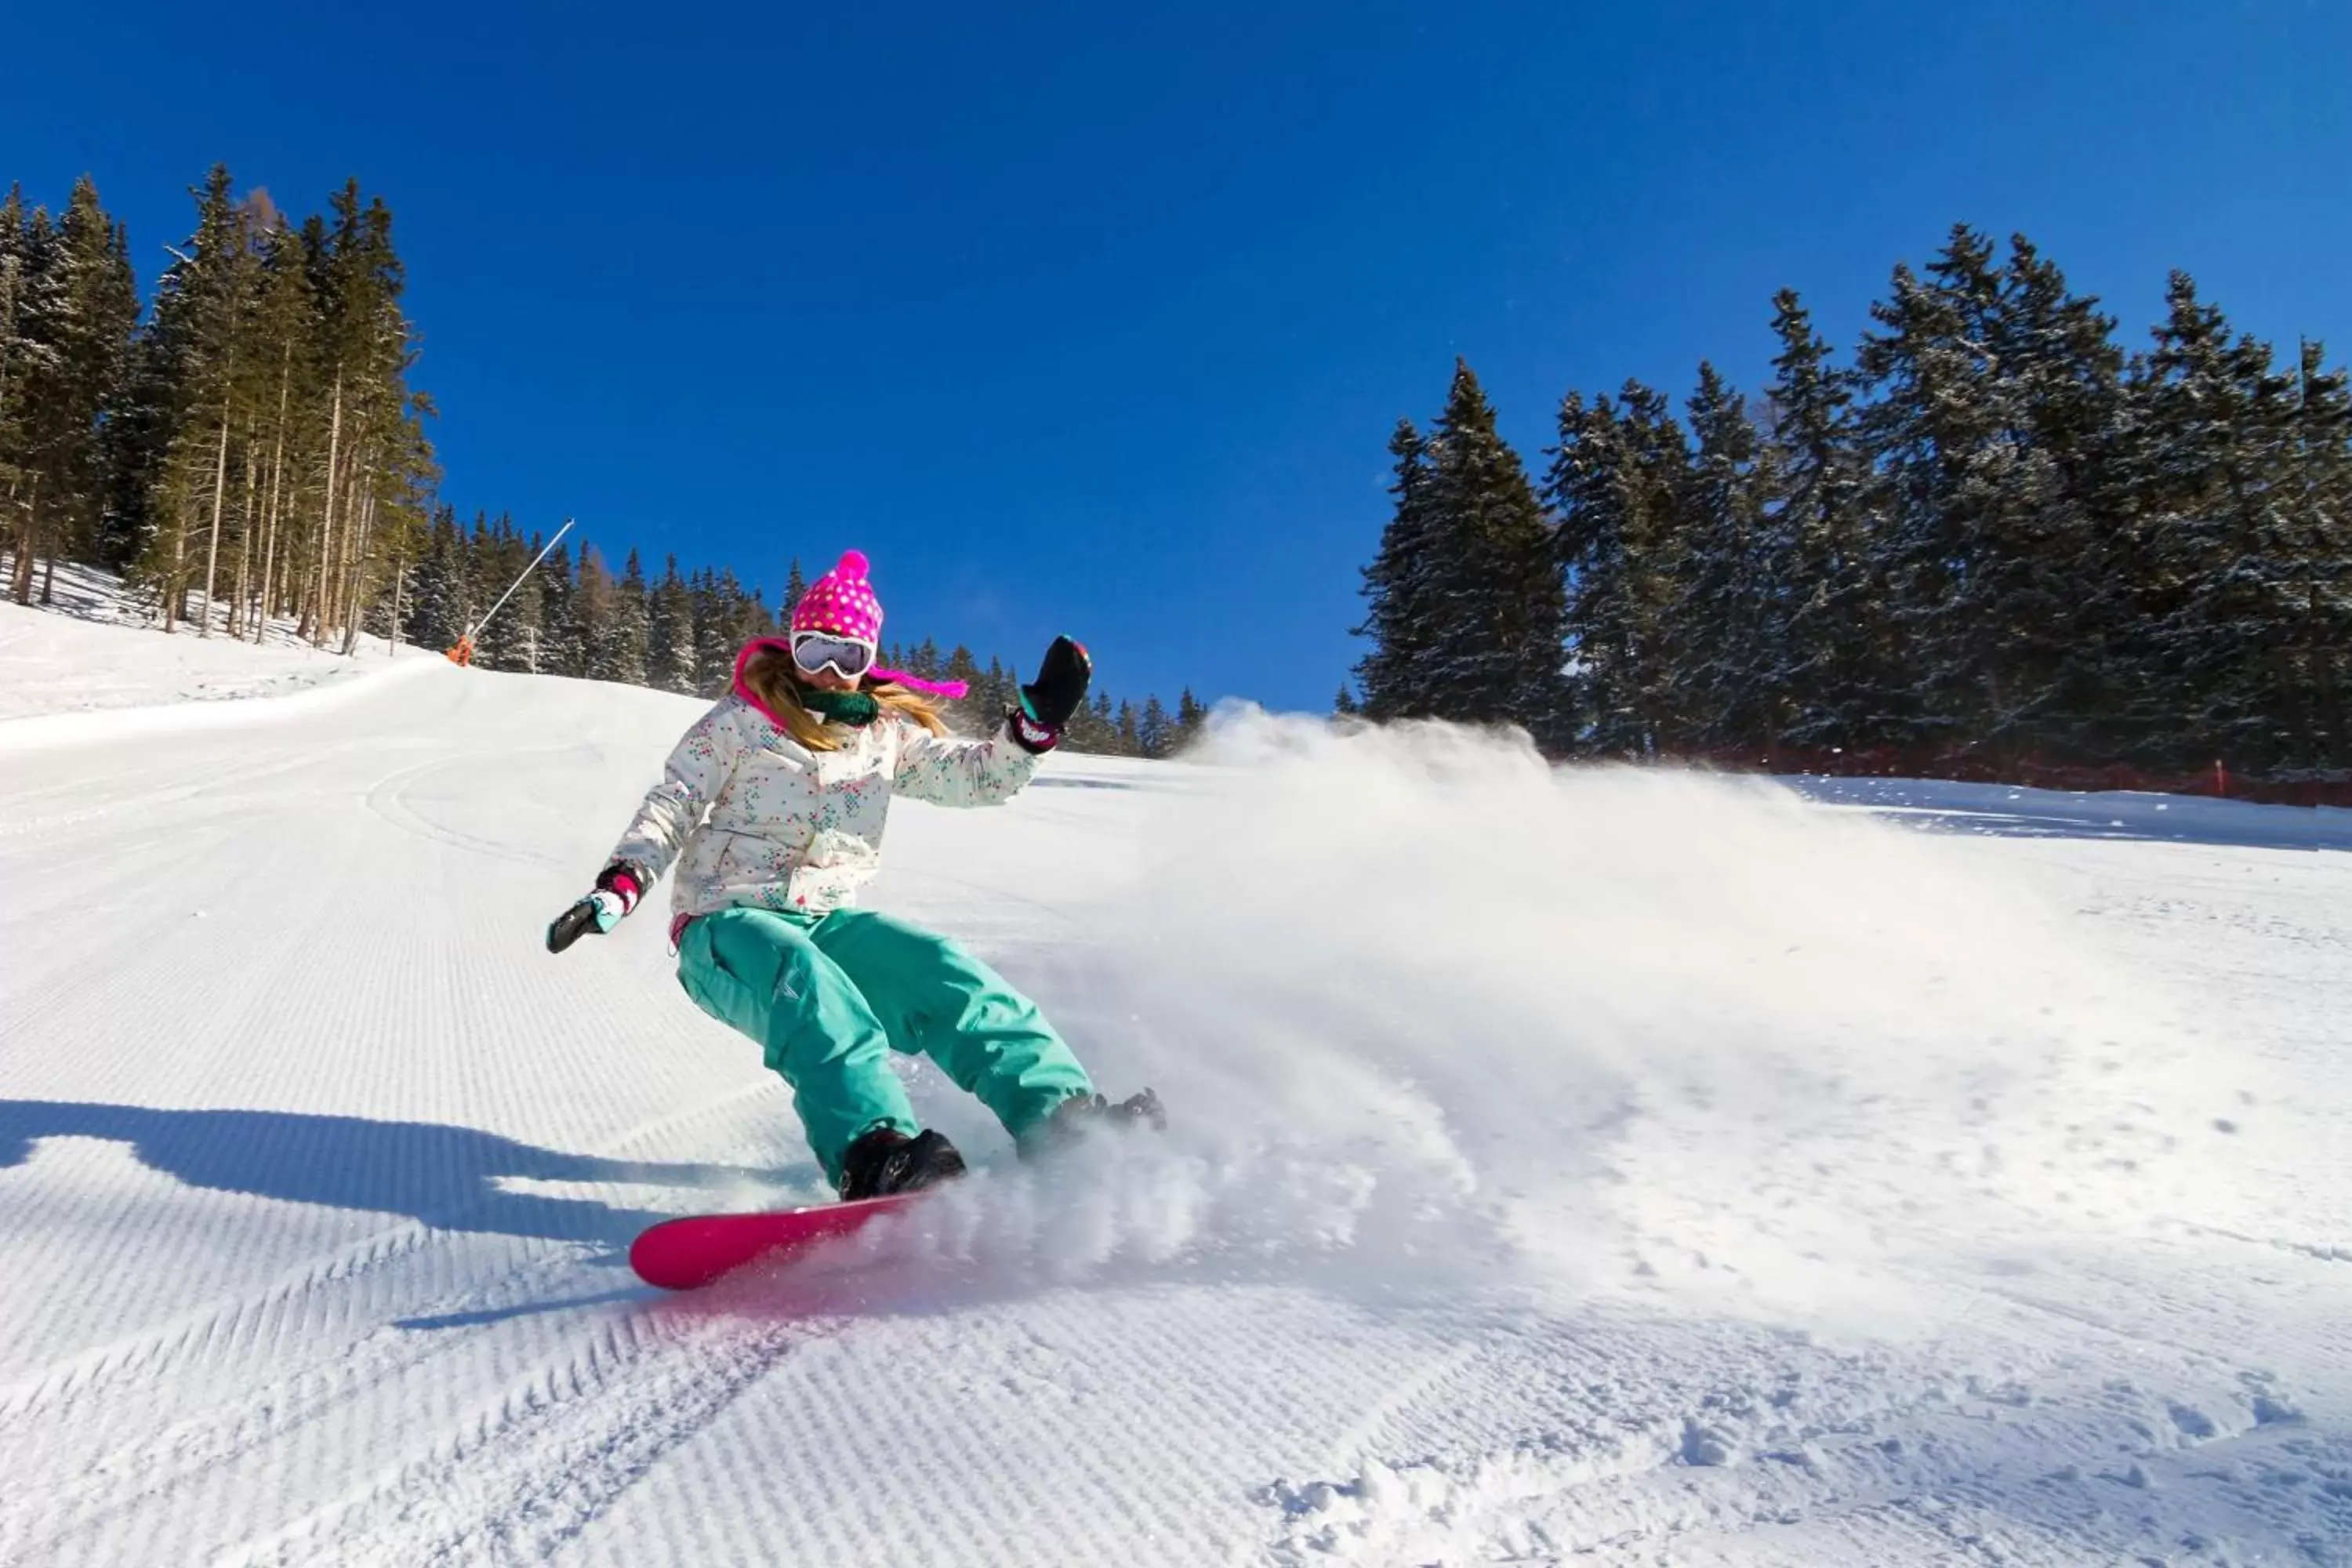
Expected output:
(220, 499)
(240, 603)
(175, 582)
(277, 472)
(29, 533)
(365, 531)
(317, 627)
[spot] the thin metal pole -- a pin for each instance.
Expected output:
(477, 626)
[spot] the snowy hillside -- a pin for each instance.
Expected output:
(74, 655)
(1594, 1166)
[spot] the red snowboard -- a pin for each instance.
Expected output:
(683, 1254)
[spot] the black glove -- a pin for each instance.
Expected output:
(618, 888)
(1047, 702)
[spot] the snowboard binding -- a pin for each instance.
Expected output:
(1082, 1116)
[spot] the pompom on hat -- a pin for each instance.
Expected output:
(841, 600)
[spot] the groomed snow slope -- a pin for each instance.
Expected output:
(1590, 1166)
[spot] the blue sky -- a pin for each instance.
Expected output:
(1097, 317)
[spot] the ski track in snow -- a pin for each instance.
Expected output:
(1601, 1168)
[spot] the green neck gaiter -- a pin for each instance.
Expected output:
(855, 708)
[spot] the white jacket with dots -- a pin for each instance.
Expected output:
(753, 817)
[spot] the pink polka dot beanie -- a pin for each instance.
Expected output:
(841, 600)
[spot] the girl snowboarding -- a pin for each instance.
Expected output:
(774, 805)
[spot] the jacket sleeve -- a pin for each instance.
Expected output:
(696, 771)
(961, 772)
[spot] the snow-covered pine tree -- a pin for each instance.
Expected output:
(1661, 542)
(77, 315)
(2212, 467)
(482, 561)
(200, 325)
(969, 714)
(592, 606)
(1489, 624)
(2047, 599)
(1587, 492)
(518, 636)
(617, 641)
(2324, 552)
(435, 613)
(670, 644)
(1725, 601)
(17, 340)
(1936, 429)
(1192, 719)
(1155, 730)
(1826, 653)
(559, 635)
(1399, 585)
(1094, 727)
(714, 634)
(286, 320)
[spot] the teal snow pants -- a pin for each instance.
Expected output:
(828, 996)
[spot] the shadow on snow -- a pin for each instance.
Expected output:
(447, 1177)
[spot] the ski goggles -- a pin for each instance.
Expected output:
(847, 657)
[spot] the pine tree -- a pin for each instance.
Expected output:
(794, 586)
(1589, 493)
(1828, 625)
(515, 639)
(1465, 610)
(1129, 741)
(559, 651)
(2323, 559)
(714, 633)
(1094, 728)
(2213, 468)
(1934, 427)
(201, 327)
(1155, 732)
(278, 454)
(962, 665)
(18, 346)
(1725, 597)
(631, 630)
(1399, 587)
(1192, 719)
(1661, 545)
(79, 314)
(436, 610)
(2045, 598)
(670, 657)
(613, 621)
(592, 608)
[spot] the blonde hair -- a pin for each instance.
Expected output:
(767, 675)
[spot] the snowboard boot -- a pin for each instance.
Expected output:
(884, 1160)
(1082, 1115)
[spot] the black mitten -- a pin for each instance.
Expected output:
(618, 888)
(1047, 702)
